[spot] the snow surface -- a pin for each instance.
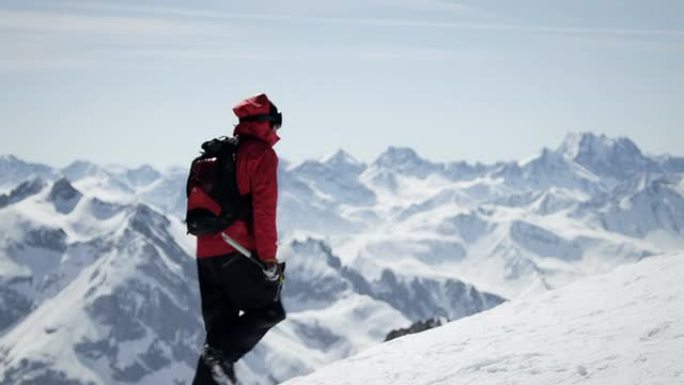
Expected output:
(625, 327)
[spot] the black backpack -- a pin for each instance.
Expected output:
(213, 199)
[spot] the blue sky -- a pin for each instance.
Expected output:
(134, 82)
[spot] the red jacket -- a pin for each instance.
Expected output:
(256, 173)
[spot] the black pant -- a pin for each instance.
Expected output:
(238, 306)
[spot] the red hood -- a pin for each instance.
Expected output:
(255, 105)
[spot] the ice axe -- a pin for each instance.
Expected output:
(271, 274)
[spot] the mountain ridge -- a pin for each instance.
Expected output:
(600, 142)
(369, 247)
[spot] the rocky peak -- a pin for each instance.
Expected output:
(585, 144)
(64, 196)
(8, 158)
(146, 220)
(14, 170)
(80, 169)
(406, 161)
(342, 160)
(619, 158)
(549, 163)
(21, 192)
(142, 175)
(398, 155)
(341, 157)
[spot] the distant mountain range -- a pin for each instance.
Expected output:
(98, 283)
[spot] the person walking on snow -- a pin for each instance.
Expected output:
(239, 274)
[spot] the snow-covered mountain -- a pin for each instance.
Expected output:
(625, 327)
(617, 158)
(98, 287)
(14, 171)
(100, 311)
(97, 278)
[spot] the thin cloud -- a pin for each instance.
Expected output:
(426, 5)
(170, 24)
(49, 22)
(164, 20)
(502, 27)
(43, 38)
(34, 40)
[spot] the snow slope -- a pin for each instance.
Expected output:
(621, 328)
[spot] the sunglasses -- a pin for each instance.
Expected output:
(276, 119)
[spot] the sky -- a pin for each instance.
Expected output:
(134, 82)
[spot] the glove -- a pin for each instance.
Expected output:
(275, 271)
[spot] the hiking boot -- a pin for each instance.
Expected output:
(222, 369)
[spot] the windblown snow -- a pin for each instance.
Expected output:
(621, 328)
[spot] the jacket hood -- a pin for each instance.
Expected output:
(255, 105)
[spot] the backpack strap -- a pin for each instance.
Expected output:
(214, 199)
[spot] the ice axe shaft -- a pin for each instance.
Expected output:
(232, 242)
(246, 253)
